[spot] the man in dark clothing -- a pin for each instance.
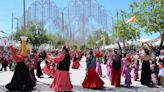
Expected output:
(4, 62)
(157, 52)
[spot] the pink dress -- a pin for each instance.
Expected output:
(76, 63)
(128, 81)
(61, 80)
(135, 72)
(109, 69)
(46, 68)
(52, 71)
(123, 66)
(98, 67)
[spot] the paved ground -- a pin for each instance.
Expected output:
(77, 77)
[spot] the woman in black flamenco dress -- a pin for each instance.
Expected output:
(42, 56)
(22, 79)
(146, 73)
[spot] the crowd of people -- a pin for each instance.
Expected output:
(125, 62)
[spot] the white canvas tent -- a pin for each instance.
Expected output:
(7, 42)
(112, 46)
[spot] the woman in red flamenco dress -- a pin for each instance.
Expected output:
(92, 79)
(52, 71)
(46, 69)
(62, 80)
(76, 63)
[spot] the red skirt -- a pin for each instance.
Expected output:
(92, 79)
(52, 71)
(61, 81)
(116, 77)
(75, 65)
(46, 69)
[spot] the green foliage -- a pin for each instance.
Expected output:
(74, 47)
(125, 31)
(35, 33)
(60, 41)
(38, 35)
(52, 38)
(19, 33)
(55, 40)
(149, 15)
(83, 47)
(96, 37)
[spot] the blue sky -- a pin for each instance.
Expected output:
(16, 6)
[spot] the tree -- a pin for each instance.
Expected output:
(35, 33)
(83, 47)
(38, 35)
(60, 42)
(125, 31)
(52, 38)
(150, 16)
(96, 38)
(21, 32)
(74, 47)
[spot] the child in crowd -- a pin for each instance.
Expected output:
(123, 64)
(127, 75)
(161, 72)
(136, 69)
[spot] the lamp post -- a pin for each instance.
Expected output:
(14, 18)
(24, 13)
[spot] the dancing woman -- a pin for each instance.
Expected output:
(109, 67)
(62, 80)
(146, 73)
(98, 62)
(22, 78)
(39, 71)
(92, 79)
(76, 63)
(116, 67)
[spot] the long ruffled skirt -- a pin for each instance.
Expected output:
(61, 81)
(98, 68)
(22, 79)
(116, 77)
(52, 72)
(92, 80)
(109, 71)
(46, 69)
